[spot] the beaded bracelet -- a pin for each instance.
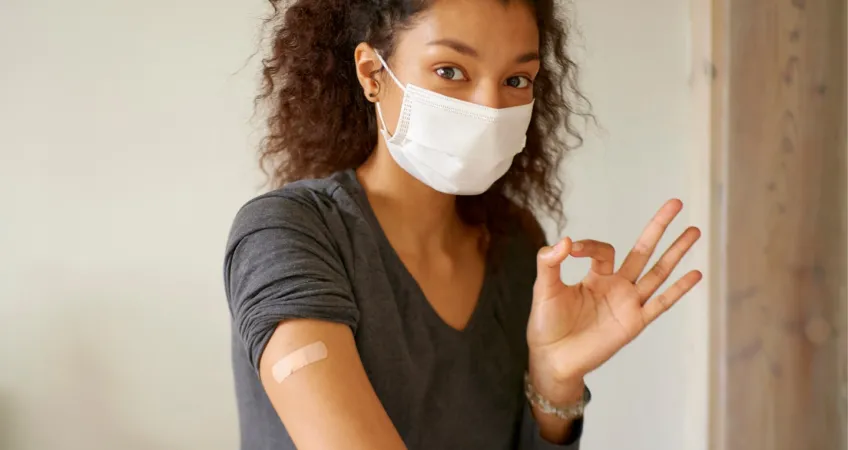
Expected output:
(568, 412)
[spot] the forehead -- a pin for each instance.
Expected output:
(489, 26)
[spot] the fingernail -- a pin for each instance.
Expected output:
(559, 247)
(576, 246)
(551, 251)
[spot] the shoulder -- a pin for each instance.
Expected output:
(529, 228)
(517, 248)
(305, 206)
(522, 233)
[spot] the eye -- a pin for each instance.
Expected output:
(450, 73)
(519, 82)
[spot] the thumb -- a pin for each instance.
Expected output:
(548, 262)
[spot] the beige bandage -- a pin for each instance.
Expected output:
(298, 359)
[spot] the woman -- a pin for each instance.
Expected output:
(395, 292)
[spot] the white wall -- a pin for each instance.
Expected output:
(125, 152)
(637, 72)
(125, 149)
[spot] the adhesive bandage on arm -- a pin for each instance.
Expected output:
(298, 359)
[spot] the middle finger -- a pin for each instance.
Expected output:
(638, 257)
(652, 280)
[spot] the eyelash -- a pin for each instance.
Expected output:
(438, 69)
(529, 82)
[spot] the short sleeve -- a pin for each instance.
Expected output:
(283, 262)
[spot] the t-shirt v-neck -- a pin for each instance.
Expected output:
(393, 261)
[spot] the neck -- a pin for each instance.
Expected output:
(416, 218)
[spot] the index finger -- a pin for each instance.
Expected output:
(635, 262)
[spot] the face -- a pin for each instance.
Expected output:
(480, 51)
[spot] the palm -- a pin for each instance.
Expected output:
(578, 327)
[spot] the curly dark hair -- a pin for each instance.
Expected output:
(319, 122)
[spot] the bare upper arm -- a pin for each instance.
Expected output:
(329, 403)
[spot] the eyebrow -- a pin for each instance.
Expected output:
(466, 49)
(527, 57)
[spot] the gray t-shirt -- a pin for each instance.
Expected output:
(314, 249)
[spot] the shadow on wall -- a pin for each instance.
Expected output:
(125, 369)
(105, 422)
(7, 422)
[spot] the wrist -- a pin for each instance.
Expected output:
(551, 416)
(559, 390)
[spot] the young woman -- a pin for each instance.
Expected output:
(395, 291)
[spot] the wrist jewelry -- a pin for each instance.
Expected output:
(567, 412)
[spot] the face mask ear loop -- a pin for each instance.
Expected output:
(397, 82)
(382, 120)
(391, 74)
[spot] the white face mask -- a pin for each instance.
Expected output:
(453, 146)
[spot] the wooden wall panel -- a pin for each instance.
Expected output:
(779, 260)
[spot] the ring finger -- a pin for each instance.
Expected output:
(652, 280)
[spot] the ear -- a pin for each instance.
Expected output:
(367, 66)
